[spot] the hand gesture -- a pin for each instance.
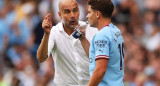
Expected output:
(47, 24)
(82, 27)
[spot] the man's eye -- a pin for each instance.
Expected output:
(75, 10)
(67, 11)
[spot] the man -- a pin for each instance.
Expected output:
(106, 49)
(69, 54)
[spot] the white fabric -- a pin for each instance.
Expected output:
(70, 59)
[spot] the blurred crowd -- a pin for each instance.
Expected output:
(21, 34)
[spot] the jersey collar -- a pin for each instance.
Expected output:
(107, 25)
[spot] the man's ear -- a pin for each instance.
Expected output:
(98, 14)
(60, 15)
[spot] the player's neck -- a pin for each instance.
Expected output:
(102, 22)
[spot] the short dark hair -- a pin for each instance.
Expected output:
(106, 7)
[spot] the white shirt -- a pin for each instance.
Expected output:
(70, 59)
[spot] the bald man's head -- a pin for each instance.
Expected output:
(62, 2)
(69, 13)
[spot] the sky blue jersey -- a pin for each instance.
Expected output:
(108, 44)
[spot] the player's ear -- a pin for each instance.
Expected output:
(98, 14)
(60, 15)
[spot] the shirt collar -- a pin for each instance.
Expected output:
(60, 25)
(109, 25)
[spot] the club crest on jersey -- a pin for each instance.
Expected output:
(90, 60)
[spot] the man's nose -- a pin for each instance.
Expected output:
(87, 17)
(72, 15)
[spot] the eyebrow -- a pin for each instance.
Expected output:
(73, 8)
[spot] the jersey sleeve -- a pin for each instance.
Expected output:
(102, 45)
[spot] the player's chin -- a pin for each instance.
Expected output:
(73, 26)
(91, 25)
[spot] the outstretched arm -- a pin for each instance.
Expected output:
(43, 48)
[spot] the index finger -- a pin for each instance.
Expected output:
(48, 15)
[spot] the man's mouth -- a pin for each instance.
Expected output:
(73, 22)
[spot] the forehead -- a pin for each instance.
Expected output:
(89, 8)
(68, 5)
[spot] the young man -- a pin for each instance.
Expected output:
(106, 50)
(69, 54)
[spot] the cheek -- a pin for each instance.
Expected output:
(65, 18)
(77, 15)
(91, 18)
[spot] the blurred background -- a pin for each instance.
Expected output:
(21, 34)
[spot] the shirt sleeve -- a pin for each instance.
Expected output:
(102, 45)
(90, 32)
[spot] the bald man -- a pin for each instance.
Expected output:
(70, 55)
